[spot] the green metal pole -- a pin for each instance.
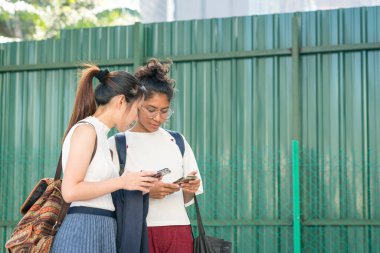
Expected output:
(296, 133)
(1, 56)
(296, 87)
(296, 199)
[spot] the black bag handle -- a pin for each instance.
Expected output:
(201, 229)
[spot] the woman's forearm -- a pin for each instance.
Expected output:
(89, 190)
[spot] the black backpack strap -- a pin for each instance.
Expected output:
(178, 140)
(121, 147)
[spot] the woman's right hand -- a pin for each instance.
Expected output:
(140, 181)
(160, 190)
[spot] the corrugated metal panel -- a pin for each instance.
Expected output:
(36, 106)
(237, 114)
(340, 130)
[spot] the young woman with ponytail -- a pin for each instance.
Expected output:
(89, 174)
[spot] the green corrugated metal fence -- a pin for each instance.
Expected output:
(247, 87)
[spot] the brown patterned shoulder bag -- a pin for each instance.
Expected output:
(44, 211)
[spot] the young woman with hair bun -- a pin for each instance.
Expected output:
(89, 175)
(149, 146)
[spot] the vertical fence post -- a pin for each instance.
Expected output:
(1, 56)
(296, 87)
(296, 199)
(138, 45)
(296, 115)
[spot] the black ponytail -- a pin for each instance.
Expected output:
(111, 84)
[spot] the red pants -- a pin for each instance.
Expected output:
(170, 239)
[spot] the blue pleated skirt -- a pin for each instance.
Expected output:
(85, 233)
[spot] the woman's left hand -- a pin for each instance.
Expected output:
(192, 186)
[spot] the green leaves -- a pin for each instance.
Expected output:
(41, 19)
(120, 16)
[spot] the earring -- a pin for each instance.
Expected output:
(132, 125)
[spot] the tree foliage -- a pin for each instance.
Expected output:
(41, 19)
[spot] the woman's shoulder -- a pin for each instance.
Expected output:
(84, 132)
(82, 129)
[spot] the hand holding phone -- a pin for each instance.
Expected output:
(190, 184)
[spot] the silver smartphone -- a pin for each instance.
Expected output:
(185, 179)
(162, 173)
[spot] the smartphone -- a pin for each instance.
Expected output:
(162, 173)
(185, 179)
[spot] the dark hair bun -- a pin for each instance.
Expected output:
(157, 70)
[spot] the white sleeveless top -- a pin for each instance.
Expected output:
(101, 166)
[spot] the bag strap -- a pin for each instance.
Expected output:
(201, 229)
(58, 171)
(178, 140)
(121, 148)
(181, 145)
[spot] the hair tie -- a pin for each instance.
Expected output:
(102, 74)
